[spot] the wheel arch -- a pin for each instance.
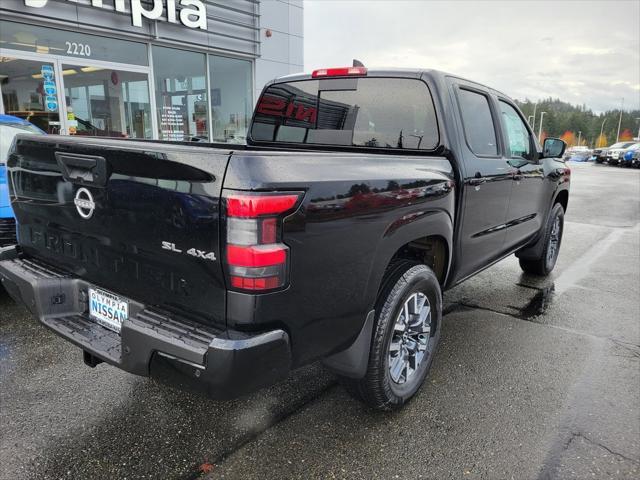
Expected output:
(432, 232)
(562, 197)
(428, 241)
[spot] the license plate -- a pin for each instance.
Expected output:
(107, 309)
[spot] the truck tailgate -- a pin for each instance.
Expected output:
(140, 219)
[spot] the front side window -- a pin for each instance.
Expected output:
(517, 133)
(393, 113)
(478, 122)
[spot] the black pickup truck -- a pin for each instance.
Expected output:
(360, 197)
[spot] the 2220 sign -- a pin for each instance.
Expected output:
(82, 49)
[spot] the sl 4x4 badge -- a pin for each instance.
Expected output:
(194, 252)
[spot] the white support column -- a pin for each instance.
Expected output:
(209, 105)
(152, 94)
(62, 100)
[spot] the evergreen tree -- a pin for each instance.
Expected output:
(562, 117)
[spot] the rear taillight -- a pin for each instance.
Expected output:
(339, 72)
(256, 258)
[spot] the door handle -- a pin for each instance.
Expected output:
(477, 181)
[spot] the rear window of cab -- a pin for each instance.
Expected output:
(392, 113)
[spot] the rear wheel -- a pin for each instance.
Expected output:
(405, 337)
(552, 239)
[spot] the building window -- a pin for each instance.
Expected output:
(106, 102)
(181, 94)
(32, 38)
(231, 98)
(29, 91)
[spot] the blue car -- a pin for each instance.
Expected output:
(627, 157)
(10, 126)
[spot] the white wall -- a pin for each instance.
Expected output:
(282, 53)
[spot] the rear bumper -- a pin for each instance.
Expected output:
(171, 348)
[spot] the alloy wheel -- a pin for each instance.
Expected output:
(410, 338)
(554, 240)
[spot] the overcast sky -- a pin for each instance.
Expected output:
(580, 51)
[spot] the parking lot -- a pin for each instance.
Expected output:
(533, 379)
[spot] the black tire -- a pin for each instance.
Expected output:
(545, 264)
(403, 282)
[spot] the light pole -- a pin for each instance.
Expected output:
(579, 137)
(601, 130)
(529, 119)
(533, 125)
(620, 121)
(540, 127)
(638, 120)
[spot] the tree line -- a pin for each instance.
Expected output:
(578, 125)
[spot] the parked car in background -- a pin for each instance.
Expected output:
(599, 155)
(10, 126)
(615, 150)
(635, 159)
(626, 157)
(578, 154)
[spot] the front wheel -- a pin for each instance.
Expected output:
(545, 263)
(405, 337)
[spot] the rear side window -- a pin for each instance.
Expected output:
(393, 113)
(478, 122)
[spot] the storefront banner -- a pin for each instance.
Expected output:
(49, 88)
(192, 14)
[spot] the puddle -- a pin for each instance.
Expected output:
(536, 307)
(539, 304)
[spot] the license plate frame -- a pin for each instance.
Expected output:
(107, 309)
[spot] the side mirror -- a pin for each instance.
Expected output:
(553, 148)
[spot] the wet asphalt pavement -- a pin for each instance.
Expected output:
(533, 379)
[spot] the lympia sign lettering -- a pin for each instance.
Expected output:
(192, 13)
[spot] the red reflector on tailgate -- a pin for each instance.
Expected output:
(266, 283)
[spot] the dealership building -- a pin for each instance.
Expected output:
(156, 69)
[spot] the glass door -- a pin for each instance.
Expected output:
(30, 91)
(65, 96)
(107, 102)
